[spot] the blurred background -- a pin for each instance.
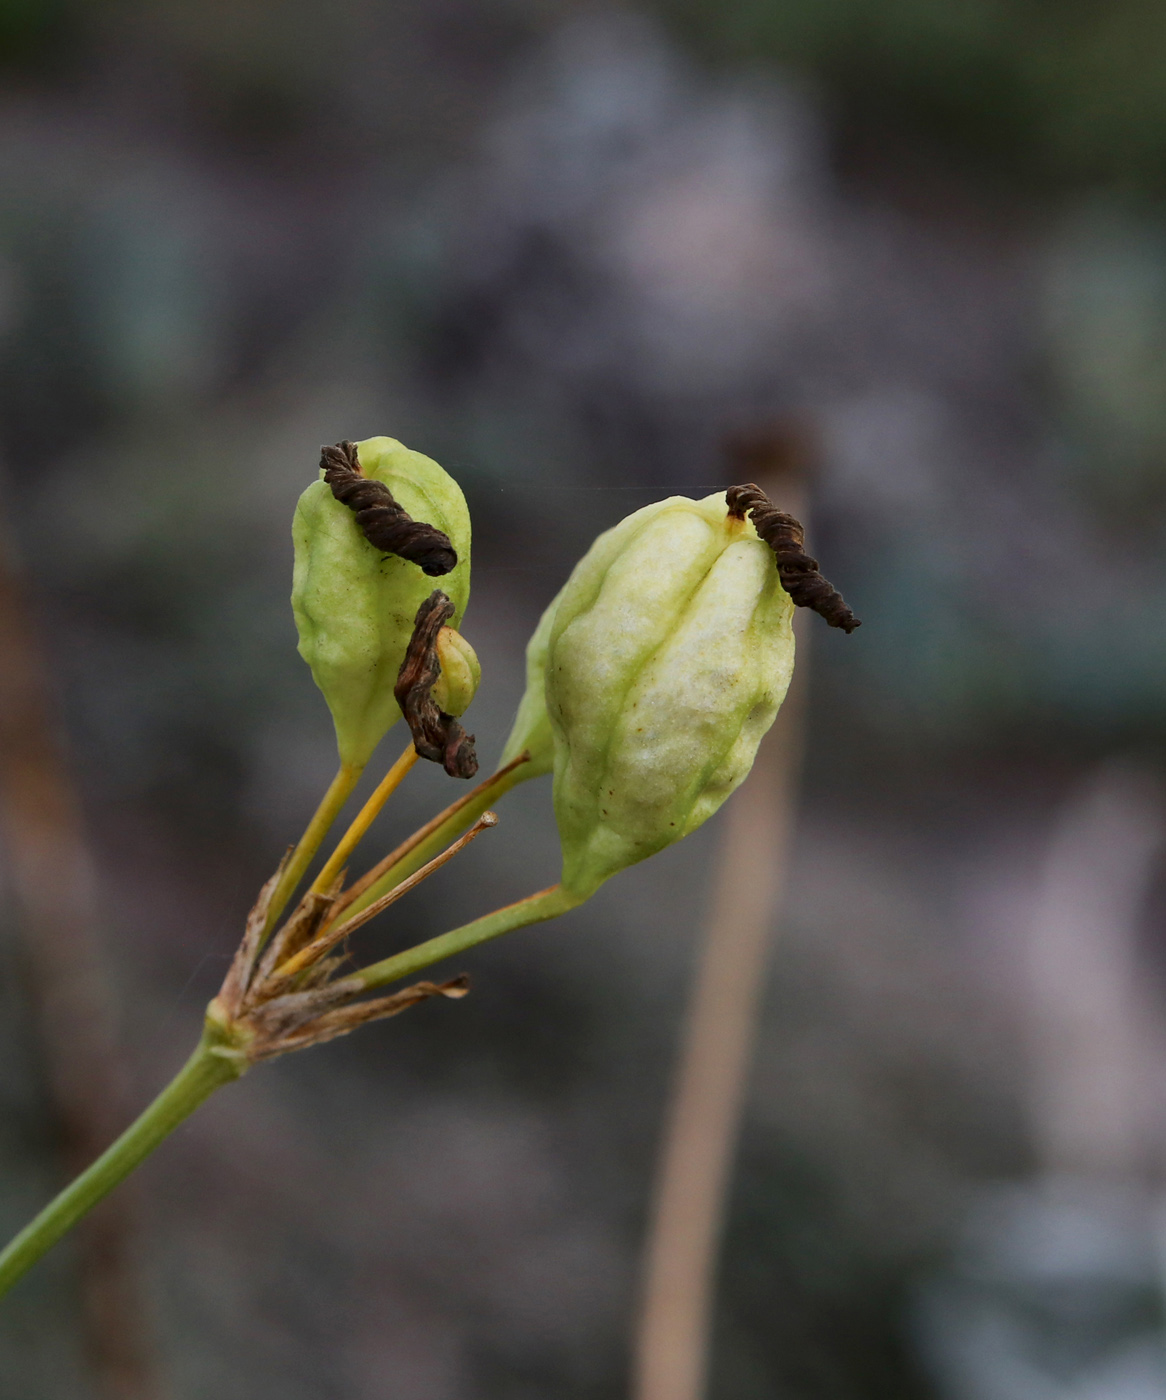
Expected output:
(567, 249)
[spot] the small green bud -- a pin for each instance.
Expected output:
(531, 732)
(668, 655)
(461, 672)
(355, 606)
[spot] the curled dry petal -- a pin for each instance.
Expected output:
(384, 523)
(436, 735)
(797, 570)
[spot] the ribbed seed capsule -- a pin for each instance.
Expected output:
(355, 605)
(669, 652)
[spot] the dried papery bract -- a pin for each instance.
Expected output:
(294, 991)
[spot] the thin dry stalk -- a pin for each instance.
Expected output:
(410, 844)
(51, 874)
(292, 994)
(311, 952)
(704, 1117)
(306, 920)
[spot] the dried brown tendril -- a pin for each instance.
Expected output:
(386, 525)
(798, 571)
(436, 735)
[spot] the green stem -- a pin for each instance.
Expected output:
(547, 904)
(339, 791)
(208, 1069)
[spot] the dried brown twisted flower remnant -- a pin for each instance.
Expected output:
(798, 571)
(385, 524)
(436, 735)
(293, 992)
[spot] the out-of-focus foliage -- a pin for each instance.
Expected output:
(29, 28)
(1027, 88)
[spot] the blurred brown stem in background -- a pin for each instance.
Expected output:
(51, 875)
(703, 1123)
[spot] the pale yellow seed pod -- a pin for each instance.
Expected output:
(668, 654)
(354, 605)
(531, 732)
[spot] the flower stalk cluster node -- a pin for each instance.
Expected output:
(293, 991)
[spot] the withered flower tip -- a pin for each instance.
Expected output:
(436, 735)
(294, 993)
(386, 525)
(798, 571)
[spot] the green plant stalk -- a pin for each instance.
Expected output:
(339, 791)
(212, 1065)
(439, 838)
(217, 1060)
(364, 819)
(547, 904)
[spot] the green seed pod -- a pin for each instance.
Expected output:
(354, 606)
(461, 673)
(532, 726)
(669, 653)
